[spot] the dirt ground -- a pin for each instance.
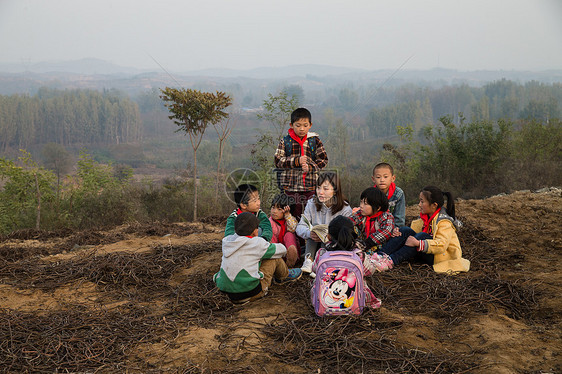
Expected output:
(140, 299)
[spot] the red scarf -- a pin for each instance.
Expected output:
(427, 221)
(300, 141)
(281, 223)
(239, 211)
(368, 223)
(391, 190)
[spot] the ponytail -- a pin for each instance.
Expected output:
(450, 204)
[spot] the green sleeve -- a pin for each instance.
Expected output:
(229, 229)
(265, 225)
(271, 249)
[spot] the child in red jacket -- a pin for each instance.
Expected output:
(283, 225)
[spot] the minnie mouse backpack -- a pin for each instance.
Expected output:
(339, 286)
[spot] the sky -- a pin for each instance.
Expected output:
(186, 35)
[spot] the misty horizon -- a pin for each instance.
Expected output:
(188, 36)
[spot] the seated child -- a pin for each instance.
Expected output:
(249, 263)
(283, 225)
(247, 198)
(383, 178)
(342, 235)
(432, 239)
(328, 203)
(373, 220)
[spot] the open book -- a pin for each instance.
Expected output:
(320, 230)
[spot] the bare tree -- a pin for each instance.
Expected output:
(193, 111)
(223, 129)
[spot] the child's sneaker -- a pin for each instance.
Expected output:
(307, 264)
(294, 274)
(382, 262)
(370, 262)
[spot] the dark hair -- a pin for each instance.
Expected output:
(243, 192)
(381, 165)
(245, 223)
(375, 198)
(343, 234)
(339, 200)
(435, 195)
(282, 200)
(301, 113)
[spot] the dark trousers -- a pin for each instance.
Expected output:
(397, 250)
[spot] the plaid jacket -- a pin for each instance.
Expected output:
(380, 231)
(291, 171)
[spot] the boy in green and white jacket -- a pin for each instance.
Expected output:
(249, 263)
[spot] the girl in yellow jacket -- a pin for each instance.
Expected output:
(432, 239)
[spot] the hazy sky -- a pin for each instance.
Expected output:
(187, 35)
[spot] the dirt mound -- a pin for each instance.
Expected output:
(140, 298)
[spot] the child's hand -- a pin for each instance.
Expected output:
(314, 237)
(303, 160)
(412, 242)
(396, 232)
(355, 210)
(286, 210)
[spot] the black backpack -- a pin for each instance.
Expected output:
(311, 144)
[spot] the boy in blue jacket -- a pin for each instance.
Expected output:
(383, 178)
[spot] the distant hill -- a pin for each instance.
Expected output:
(279, 72)
(88, 66)
(99, 74)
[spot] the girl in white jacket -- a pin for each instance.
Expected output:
(328, 203)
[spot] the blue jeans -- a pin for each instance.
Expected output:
(397, 250)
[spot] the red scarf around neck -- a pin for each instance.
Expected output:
(300, 142)
(391, 190)
(368, 223)
(281, 223)
(427, 221)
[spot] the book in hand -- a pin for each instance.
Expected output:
(320, 230)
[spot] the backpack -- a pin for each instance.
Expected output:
(289, 149)
(289, 146)
(339, 286)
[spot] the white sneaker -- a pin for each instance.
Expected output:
(307, 264)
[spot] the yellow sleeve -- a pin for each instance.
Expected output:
(442, 237)
(417, 225)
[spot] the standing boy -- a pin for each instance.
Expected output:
(249, 263)
(247, 198)
(300, 155)
(383, 177)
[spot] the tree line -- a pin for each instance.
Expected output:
(503, 99)
(469, 158)
(68, 117)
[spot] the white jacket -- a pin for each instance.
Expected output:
(324, 216)
(240, 263)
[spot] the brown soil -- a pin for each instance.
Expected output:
(139, 298)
